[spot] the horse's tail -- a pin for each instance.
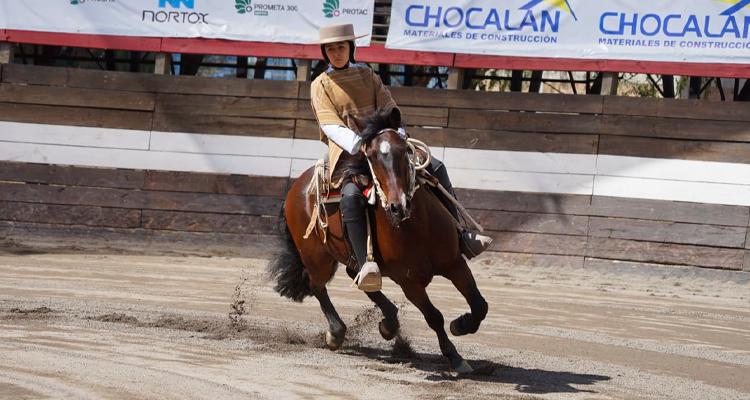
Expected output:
(286, 266)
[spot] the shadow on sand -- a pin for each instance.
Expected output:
(527, 381)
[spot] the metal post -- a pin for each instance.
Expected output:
(6, 53)
(456, 78)
(163, 64)
(303, 70)
(610, 81)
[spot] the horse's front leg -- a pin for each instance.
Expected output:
(336, 327)
(463, 280)
(389, 325)
(418, 295)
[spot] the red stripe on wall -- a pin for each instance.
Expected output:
(567, 64)
(375, 53)
(133, 43)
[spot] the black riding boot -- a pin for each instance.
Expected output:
(472, 243)
(352, 208)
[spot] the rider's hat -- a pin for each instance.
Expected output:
(337, 33)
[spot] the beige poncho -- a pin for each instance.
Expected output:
(335, 94)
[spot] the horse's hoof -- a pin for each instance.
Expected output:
(385, 332)
(456, 328)
(464, 368)
(333, 343)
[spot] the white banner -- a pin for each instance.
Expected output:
(283, 21)
(699, 31)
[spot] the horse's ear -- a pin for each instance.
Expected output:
(358, 122)
(394, 118)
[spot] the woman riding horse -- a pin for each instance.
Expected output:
(347, 90)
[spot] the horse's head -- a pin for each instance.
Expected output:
(388, 157)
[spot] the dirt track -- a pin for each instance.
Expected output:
(123, 326)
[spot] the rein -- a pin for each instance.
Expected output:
(413, 186)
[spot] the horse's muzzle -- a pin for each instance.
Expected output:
(401, 211)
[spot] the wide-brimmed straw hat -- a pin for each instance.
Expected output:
(337, 33)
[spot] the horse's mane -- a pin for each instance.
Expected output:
(356, 164)
(374, 124)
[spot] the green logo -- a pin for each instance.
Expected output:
(76, 2)
(331, 8)
(242, 6)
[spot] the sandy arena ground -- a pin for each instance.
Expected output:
(107, 326)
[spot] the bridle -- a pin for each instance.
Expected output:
(412, 144)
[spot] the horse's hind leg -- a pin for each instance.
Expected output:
(463, 280)
(389, 325)
(418, 295)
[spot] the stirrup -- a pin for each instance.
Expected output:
(473, 244)
(368, 278)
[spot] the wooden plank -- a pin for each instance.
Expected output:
(377, 53)
(537, 243)
(83, 136)
(304, 90)
(482, 100)
(214, 183)
(203, 222)
(73, 116)
(140, 159)
(173, 142)
(676, 128)
(425, 116)
(672, 190)
(508, 221)
(229, 106)
(133, 43)
(668, 232)
(148, 200)
(677, 108)
(535, 182)
(520, 161)
(487, 100)
(241, 48)
(79, 78)
(657, 210)
(674, 170)
(746, 265)
(70, 215)
(223, 125)
(70, 238)
(71, 176)
(661, 271)
(564, 204)
(663, 253)
(524, 122)
(227, 87)
(506, 140)
(307, 129)
(75, 97)
(698, 150)
(535, 260)
(127, 81)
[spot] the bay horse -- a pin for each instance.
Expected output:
(414, 238)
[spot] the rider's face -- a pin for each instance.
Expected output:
(338, 53)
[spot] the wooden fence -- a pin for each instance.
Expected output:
(556, 179)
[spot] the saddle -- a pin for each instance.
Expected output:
(320, 186)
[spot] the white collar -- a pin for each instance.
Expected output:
(330, 67)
